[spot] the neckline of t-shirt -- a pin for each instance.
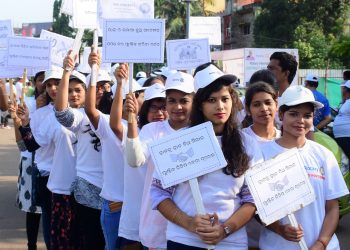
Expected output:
(302, 148)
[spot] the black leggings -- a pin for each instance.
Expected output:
(171, 245)
(89, 228)
(32, 228)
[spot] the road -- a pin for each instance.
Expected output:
(12, 220)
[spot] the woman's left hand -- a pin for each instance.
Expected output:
(317, 246)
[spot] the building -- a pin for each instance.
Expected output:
(34, 29)
(238, 23)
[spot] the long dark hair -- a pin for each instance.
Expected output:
(144, 111)
(232, 146)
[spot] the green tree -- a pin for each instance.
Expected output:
(61, 21)
(341, 50)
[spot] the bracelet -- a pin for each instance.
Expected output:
(323, 244)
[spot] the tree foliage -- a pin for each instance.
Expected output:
(312, 26)
(61, 21)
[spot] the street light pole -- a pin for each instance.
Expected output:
(188, 14)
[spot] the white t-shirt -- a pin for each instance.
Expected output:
(152, 223)
(328, 184)
(39, 121)
(63, 171)
(253, 227)
(89, 160)
(220, 194)
(112, 161)
(134, 179)
(19, 87)
(341, 124)
(259, 139)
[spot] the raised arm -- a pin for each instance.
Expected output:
(3, 96)
(117, 105)
(61, 102)
(90, 101)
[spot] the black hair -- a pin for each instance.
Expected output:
(106, 102)
(149, 80)
(232, 146)
(286, 62)
(36, 91)
(311, 84)
(346, 75)
(264, 75)
(145, 109)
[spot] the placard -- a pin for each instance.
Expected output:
(133, 40)
(280, 186)
(206, 27)
(6, 31)
(67, 7)
(85, 14)
(187, 154)
(59, 46)
(29, 52)
(186, 54)
(84, 65)
(126, 9)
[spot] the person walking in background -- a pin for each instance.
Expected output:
(341, 125)
(322, 116)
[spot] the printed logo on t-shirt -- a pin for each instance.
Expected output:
(316, 172)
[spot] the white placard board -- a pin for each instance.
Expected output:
(67, 7)
(29, 52)
(258, 58)
(186, 54)
(8, 72)
(206, 27)
(6, 31)
(126, 9)
(187, 154)
(133, 40)
(84, 65)
(84, 14)
(59, 46)
(280, 186)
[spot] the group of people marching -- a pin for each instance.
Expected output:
(95, 183)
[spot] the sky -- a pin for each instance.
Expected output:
(26, 11)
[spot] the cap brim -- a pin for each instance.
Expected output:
(316, 104)
(179, 89)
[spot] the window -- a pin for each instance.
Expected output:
(245, 28)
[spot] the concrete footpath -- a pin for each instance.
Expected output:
(12, 220)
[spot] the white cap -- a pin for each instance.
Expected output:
(208, 75)
(141, 74)
(77, 75)
(155, 91)
(135, 87)
(53, 73)
(346, 84)
(180, 81)
(297, 94)
(142, 81)
(165, 71)
(311, 78)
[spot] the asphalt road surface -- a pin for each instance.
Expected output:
(12, 220)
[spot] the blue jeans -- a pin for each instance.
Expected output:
(110, 226)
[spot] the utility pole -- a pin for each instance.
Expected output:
(188, 14)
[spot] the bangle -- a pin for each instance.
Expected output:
(323, 244)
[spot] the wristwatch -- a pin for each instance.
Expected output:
(227, 230)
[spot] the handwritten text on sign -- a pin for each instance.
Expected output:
(280, 186)
(5, 31)
(29, 52)
(59, 46)
(133, 40)
(187, 154)
(187, 53)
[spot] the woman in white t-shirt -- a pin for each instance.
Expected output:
(89, 177)
(341, 125)
(225, 195)
(317, 221)
(179, 94)
(261, 107)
